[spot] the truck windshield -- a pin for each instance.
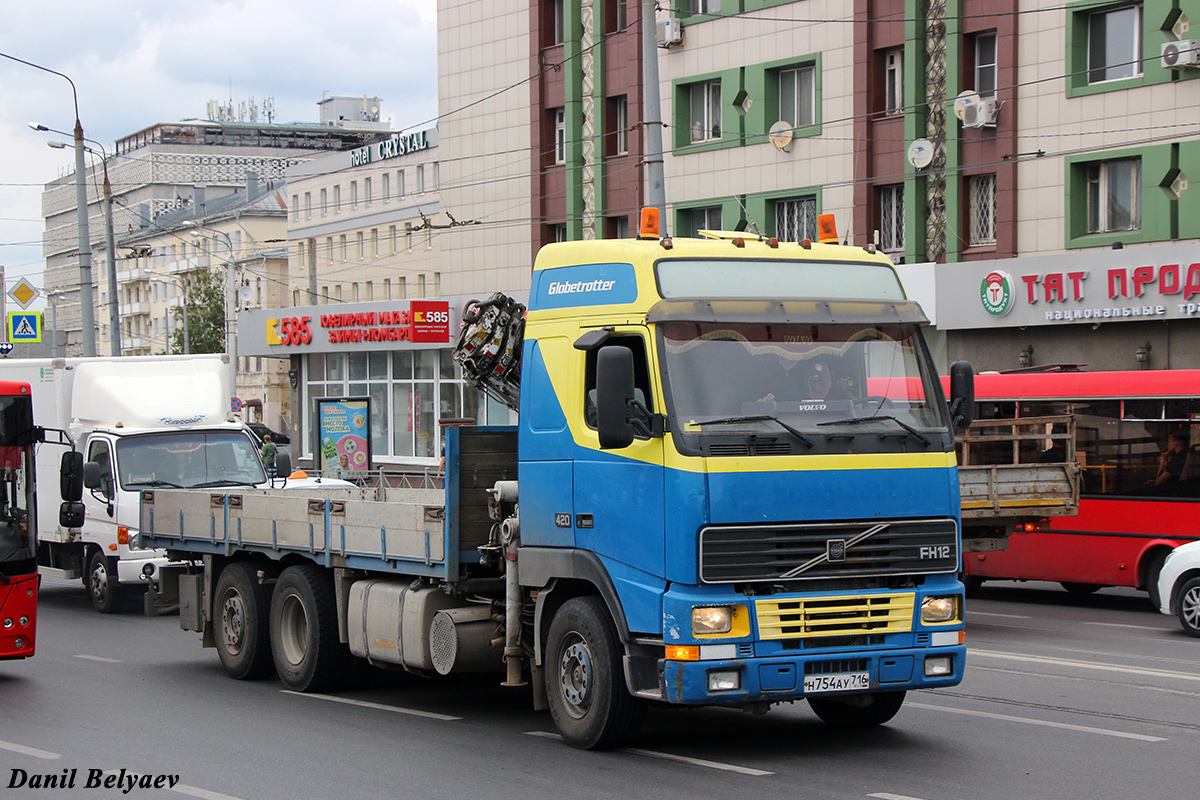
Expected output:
(188, 459)
(822, 380)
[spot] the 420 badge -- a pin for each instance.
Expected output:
(997, 292)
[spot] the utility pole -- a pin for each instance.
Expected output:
(656, 192)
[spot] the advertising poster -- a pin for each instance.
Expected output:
(344, 449)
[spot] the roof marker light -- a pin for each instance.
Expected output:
(739, 242)
(649, 224)
(826, 229)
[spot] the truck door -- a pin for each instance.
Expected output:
(618, 494)
(100, 525)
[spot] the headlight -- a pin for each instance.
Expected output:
(939, 609)
(715, 619)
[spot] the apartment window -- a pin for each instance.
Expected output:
(985, 64)
(704, 104)
(370, 291)
(615, 15)
(618, 115)
(358, 242)
(704, 6)
(400, 183)
(392, 240)
(1114, 201)
(374, 242)
(981, 209)
(308, 205)
(387, 288)
(344, 248)
(324, 202)
(337, 199)
(295, 208)
(891, 218)
(420, 178)
(407, 238)
(385, 188)
(558, 233)
(1115, 44)
(354, 194)
(437, 175)
(617, 228)
(329, 248)
(560, 136)
(893, 81)
(704, 219)
(797, 104)
(367, 191)
(557, 22)
(796, 219)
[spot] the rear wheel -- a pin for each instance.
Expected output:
(1081, 589)
(242, 607)
(1187, 606)
(304, 632)
(860, 711)
(101, 582)
(584, 680)
(1154, 567)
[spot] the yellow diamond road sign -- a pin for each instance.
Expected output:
(24, 293)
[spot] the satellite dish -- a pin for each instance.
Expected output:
(964, 99)
(920, 153)
(781, 134)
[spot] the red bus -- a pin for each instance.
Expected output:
(18, 534)
(1136, 441)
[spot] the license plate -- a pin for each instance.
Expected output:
(841, 682)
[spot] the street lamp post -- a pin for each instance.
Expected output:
(87, 317)
(114, 315)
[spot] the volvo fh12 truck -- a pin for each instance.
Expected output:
(732, 483)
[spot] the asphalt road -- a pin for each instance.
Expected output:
(1063, 698)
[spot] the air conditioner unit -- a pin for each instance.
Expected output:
(1181, 54)
(980, 115)
(670, 31)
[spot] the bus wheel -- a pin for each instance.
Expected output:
(1154, 567)
(1081, 589)
(102, 586)
(1187, 605)
(304, 632)
(584, 680)
(242, 608)
(878, 708)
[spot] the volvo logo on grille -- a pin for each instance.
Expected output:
(835, 549)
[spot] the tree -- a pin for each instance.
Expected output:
(205, 307)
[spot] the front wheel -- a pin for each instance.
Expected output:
(101, 582)
(1187, 606)
(242, 607)
(309, 656)
(584, 681)
(860, 711)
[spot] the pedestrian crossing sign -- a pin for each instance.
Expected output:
(24, 327)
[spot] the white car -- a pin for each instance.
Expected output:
(1179, 586)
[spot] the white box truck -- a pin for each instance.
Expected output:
(141, 422)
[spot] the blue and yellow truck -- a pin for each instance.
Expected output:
(732, 483)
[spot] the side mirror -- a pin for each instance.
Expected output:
(614, 392)
(71, 514)
(92, 475)
(283, 464)
(962, 395)
(70, 472)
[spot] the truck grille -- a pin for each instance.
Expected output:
(800, 618)
(758, 553)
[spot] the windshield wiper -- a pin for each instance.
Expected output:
(221, 482)
(157, 482)
(859, 420)
(757, 418)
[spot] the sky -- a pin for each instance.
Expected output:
(140, 62)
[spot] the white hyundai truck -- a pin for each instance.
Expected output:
(141, 422)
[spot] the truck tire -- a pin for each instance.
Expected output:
(304, 632)
(585, 683)
(880, 708)
(106, 594)
(242, 616)
(1187, 606)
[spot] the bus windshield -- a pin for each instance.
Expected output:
(188, 460)
(821, 379)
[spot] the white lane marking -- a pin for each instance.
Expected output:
(1041, 722)
(29, 751)
(1067, 662)
(1125, 625)
(181, 788)
(101, 659)
(377, 706)
(698, 762)
(992, 614)
(889, 796)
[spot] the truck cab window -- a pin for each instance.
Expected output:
(99, 453)
(641, 376)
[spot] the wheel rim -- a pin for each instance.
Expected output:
(100, 582)
(1189, 606)
(293, 630)
(233, 622)
(575, 676)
